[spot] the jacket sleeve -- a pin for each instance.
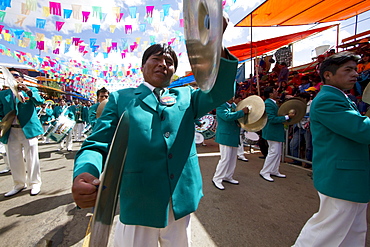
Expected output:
(226, 114)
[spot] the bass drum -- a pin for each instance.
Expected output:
(208, 126)
(60, 129)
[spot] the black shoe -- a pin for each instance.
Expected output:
(295, 163)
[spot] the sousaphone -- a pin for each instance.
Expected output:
(295, 105)
(203, 38)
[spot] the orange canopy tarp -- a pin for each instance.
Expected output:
(243, 51)
(295, 12)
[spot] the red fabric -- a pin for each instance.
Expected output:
(243, 51)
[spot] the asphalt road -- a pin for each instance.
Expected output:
(255, 213)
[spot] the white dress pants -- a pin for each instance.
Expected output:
(337, 223)
(46, 139)
(226, 165)
(68, 140)
(176, 233)
(272, 161)
(241, 145)
(25, 169)
(77, 131)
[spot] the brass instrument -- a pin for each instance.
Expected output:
(78, 115)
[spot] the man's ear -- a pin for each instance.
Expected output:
(327, 75)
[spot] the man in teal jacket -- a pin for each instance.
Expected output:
(227, 136)
(25, 129)
(101, 95)
(341, 166)
(161, 182)
(273, 132)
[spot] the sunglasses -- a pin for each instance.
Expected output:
(16, 75)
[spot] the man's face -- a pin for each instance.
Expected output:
(62, 103)
(274, 94)
(103, 96)
(345, 77)
(17, 76)
(158, 70)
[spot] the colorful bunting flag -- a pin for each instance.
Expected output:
(55, 8)
(59, 25)
(67, 13)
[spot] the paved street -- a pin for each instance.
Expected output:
(255, 213)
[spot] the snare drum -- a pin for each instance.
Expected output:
(199, 138)
(60, 130)
(208, 127)
(87, 130)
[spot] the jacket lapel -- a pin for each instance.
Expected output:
(146, 96)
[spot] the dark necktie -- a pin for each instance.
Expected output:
(158, 92)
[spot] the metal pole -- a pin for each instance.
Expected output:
(251, 74)
(356, 25)
(337, 37)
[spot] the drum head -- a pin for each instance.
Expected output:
(199, 138)
(207, 123)
(251, 136)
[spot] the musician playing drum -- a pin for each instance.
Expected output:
(161, 182)
(46, 116)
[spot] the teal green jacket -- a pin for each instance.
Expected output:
(228, 130)
(26, 112)
(47, 117)
(67, 112)
(274, 128)
(161, 162)
(340, 138)
(92, 114)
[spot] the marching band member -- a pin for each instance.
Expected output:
(46, 116)
(63, 110)
(23, 134)
(340, 138)
(79, 117)
(162, 188)
(102, 94)
(228, 138)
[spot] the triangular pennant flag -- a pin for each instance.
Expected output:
(59, 25)
(85, 16)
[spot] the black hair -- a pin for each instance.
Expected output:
(160, 49)
(102, 90)
(15, 70)
(334, 62)
(267, 92)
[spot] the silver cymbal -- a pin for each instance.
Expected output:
(100, 109)
(256, 109)
(296, 105)
(257, 126)
(6, 122)
(10, 82)
(203, 39)
(366, 94)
